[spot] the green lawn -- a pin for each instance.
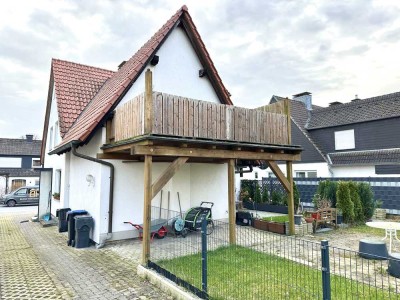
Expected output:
(242, 273)
(280, 219)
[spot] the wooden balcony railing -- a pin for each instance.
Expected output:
(182, 117)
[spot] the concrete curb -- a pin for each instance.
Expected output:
(165, 284)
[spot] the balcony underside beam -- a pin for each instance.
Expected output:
(211, 153)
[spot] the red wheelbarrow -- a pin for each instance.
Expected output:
(158, 228)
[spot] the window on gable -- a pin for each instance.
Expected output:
(57, 181)
(56, 129)
(51, 138)
(344, 139)
(35, 163)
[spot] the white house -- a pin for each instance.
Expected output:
(18, 160)
(103, 130)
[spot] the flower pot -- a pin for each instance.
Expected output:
(309, 220)
(297, 219)
(339, 219)
(261, 224)
(276, 227)
(380, 214)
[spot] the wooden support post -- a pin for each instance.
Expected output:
(148, 161)
(289, 172)
(231, 201)
(289, 121)
(148, 103)
(167, 175)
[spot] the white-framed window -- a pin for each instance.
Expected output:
(57, 181)
(36, 163)
(51, 138)
(344, 139)
(306, 174)
(56, 129)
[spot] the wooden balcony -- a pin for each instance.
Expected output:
(181, 117)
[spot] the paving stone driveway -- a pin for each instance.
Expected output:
(36, 263)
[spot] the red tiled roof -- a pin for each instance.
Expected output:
(113, 89)
(75, 86)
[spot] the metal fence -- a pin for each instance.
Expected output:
(263, 265)
(386, 189)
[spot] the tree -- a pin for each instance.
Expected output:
(367, 199)
(264, 195)
(257, 193)
(344, 201)
(355, 198)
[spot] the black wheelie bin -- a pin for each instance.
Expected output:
(61, 214)
(71, 224)
(83, 226)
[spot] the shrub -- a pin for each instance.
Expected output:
(247, 188)
(344, 201)
(257, 193)
(264, 195)
(321, 203)
(355, 198)
(367, 199)
(276, 198)
(327, 190)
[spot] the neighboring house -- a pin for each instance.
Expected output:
(360, 138)
(106, 134)
(18, 160)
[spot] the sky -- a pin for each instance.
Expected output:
(333, 49)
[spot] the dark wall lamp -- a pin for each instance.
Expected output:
(154, 60)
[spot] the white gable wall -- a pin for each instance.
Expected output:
(177, 72)
(57, 162)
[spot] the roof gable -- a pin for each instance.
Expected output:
(119, 83)
(75, 85)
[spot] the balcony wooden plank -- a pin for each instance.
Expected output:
(196, 119)
(190, 118)
(170, 115)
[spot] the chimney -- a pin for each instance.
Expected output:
(335, 103)
(121, 64)
(306, 98)
(29, 137)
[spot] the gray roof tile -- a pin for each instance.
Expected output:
(375, 108)
(19, 147)
(368, 157)
(17, 172)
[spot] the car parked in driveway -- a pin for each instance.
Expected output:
(22, 195)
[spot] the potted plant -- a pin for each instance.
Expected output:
(261, 224)
(278, 224)
(379, 212)
(56, 196)
(339, 216)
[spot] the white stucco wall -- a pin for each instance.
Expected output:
(321, 169)
(209, 182)
(194, 182)
(56, 162)
(358, 171)
(177, 72)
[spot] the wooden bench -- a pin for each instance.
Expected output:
(324, 216)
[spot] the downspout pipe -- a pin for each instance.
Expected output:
(111, 194)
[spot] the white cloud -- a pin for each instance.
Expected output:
(332, 49)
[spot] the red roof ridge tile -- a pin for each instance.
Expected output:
(80, 64)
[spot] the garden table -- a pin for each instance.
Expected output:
(390, 230)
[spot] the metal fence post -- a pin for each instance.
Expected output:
(326, 281)
(204, 255)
